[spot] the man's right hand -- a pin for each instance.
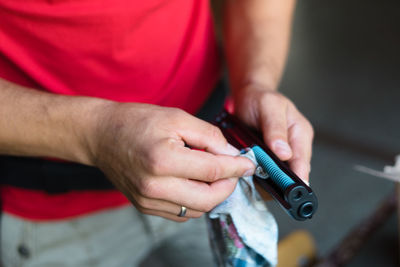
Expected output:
(143, 150)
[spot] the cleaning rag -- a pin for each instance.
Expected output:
(242, 230)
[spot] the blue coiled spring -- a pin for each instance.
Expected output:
(279, 177)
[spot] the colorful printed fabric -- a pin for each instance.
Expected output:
(242, 230)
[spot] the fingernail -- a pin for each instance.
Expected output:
(282, 148)
(230, 150)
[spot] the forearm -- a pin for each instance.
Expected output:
(256, 40)
(36, 123)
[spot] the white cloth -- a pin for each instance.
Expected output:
(255, 225)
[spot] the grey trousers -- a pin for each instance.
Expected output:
(115, 237)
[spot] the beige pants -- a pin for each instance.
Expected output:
(117, 237)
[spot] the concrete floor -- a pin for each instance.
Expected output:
(343, 73)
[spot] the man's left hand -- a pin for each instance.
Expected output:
(285, 130)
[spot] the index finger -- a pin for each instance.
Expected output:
(203, 135)
(178, 161)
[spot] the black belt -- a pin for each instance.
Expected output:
(51, 176)
(60, 177)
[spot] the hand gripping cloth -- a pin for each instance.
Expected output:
(241, 229)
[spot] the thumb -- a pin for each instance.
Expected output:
(274, 128)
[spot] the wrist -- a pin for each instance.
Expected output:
(104, 127)
(250, 83)
(251, 91)
(86, 126)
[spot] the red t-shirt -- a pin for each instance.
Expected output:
(155, 51)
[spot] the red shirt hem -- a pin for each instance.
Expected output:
(41, 206)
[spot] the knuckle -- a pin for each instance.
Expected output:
(148, 188)
(272, 98)
(214, 173)
(177, 111)
(155, 161)
(276, 132)
(215, 132)
(176, 115)
(206, 207)
(143, 202)
(308, 127)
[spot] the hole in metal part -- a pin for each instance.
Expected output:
(298, 195)
(306, 210)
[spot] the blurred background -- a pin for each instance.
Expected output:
(343, 73)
